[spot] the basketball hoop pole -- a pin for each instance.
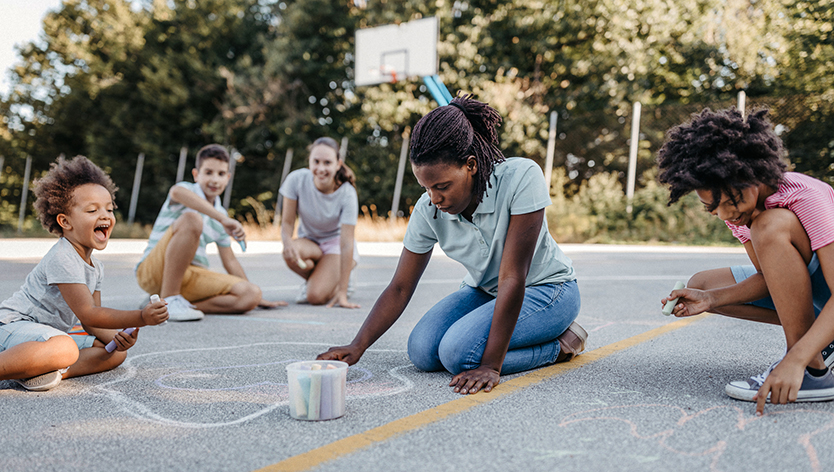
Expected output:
(437, 89)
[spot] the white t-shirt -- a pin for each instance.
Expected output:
(39, 298)
(322, 214)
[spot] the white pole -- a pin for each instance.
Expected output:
(279, 203)
(742, 98)
(227, 196)
(343, 149)
(134, 194)
(398, 186)
(551, 149)
(181, 165)
(25, 193)
(632, 154)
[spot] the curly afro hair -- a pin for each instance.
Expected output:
(721, 152)
(54, 191)
(451, 133)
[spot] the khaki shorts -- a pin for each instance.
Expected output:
(198, 283)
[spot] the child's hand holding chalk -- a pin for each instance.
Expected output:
(111, 346)
(670, 304)
(153, 316)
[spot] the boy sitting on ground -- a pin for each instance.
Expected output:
(175, 264)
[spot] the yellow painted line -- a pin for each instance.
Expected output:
(351, 444)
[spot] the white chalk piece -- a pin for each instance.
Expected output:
(670, 304)
(314, 404)
(299, 399)
(111, 346)
(302, 264)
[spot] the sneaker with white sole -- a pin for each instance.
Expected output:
(571, 342)
(302, 294)
(813, 389)
(180, 309)
(41, 383)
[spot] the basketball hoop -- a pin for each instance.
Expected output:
(388, 71)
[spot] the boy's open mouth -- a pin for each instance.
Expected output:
(102, 231)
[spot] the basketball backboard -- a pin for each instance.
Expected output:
(395, 52)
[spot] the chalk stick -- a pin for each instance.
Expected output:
(301, 264)
(300, 400)
(670, 304)
(327, 395)
(242, 245)
(111, 346)
(314, 404)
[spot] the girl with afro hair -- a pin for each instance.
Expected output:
(75, 202)
(516, 307)
(785, 220)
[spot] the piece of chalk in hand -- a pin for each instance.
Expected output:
(301, 264)
(242, 245)
(111, 346)
(154, 299)
(670, 304)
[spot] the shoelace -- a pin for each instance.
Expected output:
(759, 379)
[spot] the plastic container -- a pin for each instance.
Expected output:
(317, 389)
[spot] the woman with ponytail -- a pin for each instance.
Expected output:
(515, 310)
(323, 196)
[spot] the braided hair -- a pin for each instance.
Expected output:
(451, 133)
(721, 152)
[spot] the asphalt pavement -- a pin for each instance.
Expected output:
(647, 394)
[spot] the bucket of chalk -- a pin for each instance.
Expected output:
(317, 389)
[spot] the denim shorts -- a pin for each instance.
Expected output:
(819, 288)
(19, 332)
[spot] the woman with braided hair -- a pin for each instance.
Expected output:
(785, 220)
(516, 307)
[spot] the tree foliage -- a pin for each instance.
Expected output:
(113, 78)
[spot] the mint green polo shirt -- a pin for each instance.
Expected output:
(518, 188)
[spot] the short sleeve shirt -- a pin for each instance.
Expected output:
(810, 199)
(518, 188)
(322, 214)
(39, 298)
(213, 231)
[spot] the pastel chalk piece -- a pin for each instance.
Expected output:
(326, 395)
(314, 403)
(301, 264)
(670, 304)
(111, 346)
(242, 245)
(299, 385)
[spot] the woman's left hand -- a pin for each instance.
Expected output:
(341, 300)
(270, 304)
(471, 381)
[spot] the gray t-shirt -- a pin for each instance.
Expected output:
(39, 298)
(322, 214)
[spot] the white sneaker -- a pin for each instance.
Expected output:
(302, 294)
(41, 383)
(351, 288)
(180, 309)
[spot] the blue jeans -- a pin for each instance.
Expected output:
(453, 334)
(819, 287)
